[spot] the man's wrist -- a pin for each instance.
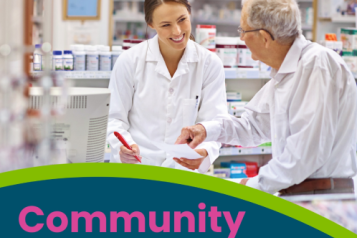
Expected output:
(212, 129)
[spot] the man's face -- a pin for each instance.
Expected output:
(253, 40)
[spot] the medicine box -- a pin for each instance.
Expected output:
(241, 169)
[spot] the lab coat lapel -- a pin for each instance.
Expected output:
(154, 54)
(189, 56)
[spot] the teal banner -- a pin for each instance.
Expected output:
(121, 200)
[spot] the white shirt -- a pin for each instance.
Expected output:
(308, 111)
(149, 105)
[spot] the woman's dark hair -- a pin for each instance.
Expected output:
(151, 5)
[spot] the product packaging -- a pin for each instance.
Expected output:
(116, 52)
(206, 36)
(57, 60)
(92, 61)
(37, 58)
(126, 44)
(227, 51)
(79, 58)
(105, 59)
(68, 60)
(245, 57)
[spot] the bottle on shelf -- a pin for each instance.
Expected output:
(68, 60)
(57, 60)
(79, 58)
(92, 61)
(105, 59)
(126, 44)
(37, 58)
(116, 52)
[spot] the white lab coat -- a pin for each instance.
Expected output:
(149, 105)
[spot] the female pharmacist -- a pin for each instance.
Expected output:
(162, 85)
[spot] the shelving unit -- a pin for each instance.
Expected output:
(329, 23)
(343, 19)
(238, 73)
(91, 79)
(196, 21)
(232, 151)
(129, 18)
(78, 74)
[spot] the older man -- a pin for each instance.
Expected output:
(308, 110)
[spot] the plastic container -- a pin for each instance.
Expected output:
(227, 51)
(68, 60)
(79, 58)
(74, 47)
(126, 44)
(37, 58)
(99, 47)
(92, 60)
(105, 59)
(245, 57)
(57, 60)
(206, 36)
(135, 42)
(116, 52)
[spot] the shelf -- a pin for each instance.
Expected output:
(216, 22)
(232, 151)
(238, 73)
(343, 19)
(306, 27)
(229, 73)
(133, 18)
(78, 74)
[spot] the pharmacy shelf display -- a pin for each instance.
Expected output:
(232, 151)
(78, 74)
(229, 74)
(237, 73)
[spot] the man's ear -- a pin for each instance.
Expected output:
(266, 38)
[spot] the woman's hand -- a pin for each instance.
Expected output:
(192, 163)
(127, 156)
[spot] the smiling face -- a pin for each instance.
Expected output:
(172, 24)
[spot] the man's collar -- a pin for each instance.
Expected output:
(291, 60)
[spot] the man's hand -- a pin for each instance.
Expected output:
(192, 135)
(244, 181)
(192, 163)
(127, 156)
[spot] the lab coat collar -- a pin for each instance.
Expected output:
(154, 54)
(291, 60)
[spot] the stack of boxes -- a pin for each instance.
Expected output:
(347, 47)
(237, 169)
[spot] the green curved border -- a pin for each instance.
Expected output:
(178, 177)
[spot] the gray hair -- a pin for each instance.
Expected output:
(281, 17)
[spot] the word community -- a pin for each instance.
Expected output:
(213, 215)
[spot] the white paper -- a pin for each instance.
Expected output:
(178, 151)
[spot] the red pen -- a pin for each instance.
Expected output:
(123, 141)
